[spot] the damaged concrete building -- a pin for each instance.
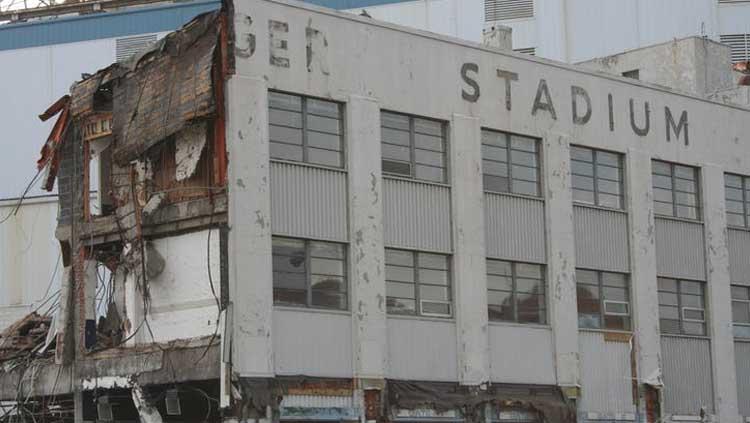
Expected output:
(316, 216)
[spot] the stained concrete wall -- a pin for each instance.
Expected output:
(343, 57)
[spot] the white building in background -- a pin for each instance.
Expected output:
(571, 30)
(41, 57)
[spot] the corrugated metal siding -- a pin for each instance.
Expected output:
(514, 228)
(312, 343)
(530, 358)
(126, 47)
(317, 401)
(688, 380)
(739, 256)
(137, 20)
(417, 215)
(422, 350)
(680, 250)
(739, 43)
(496, 10)
(308, 202)
(606, 375)
(742, 361)
(601, 239)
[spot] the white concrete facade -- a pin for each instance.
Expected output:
(369, 66)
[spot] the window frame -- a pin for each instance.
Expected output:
(595, 177)
(514, 292)
(746, 302)
(745, 182)
(305, 128)
(418, 300)
(603, 301)
(681, 307)
(698, 194)
(509, 163)
(309, 275)
(413, 148)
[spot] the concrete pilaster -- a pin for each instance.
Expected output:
(250, 271)
(719, 298)
(367, 253)
(561, 258)
(469, 267)
(644, 292)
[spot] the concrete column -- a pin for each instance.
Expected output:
(250, 271)
(561, 259)
(644, 295)
(366, 253)
(719, 297)
(469, 267)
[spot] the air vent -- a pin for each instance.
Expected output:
(125, 48)
(500, 10)
(740, 44)
(527, 50)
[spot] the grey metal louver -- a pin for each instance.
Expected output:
(126, 47)
(527, 50)
(740, 44)
(499, 10)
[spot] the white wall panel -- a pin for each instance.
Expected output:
(601, 239)
(521, 354)
(417, 215)
(308, 202)
(514, 228)
(688, 380)
(422, 349)
(312, 343)
(739, 256)
(606, 375)
(680, 250)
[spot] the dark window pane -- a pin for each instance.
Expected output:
(429, 173)
(668, 285)
(394, 120)
(286, 151)
(328, 283)
(401, 168)
(661, 168)
(684, 185)
(437, 277)
(327, 250)
(614, 279)
(669, 326)
(285, 118)
(589, 320)
(523, 158)
(329, 299)
(399, 257)
(615, 294)
(494, 153)
(399, 273)
(529, 270)
(693, 314)
(733, 181)
(323, 108)
(400, 290)
(495, 138)
(429, 127)
(434, 293)
(581, 168)
(583, 196)
(401, 306)
(668, 312)
(609, 159)
(498, 267)
(496, 183)
(526, 188)
(531, 286)
(323, 124)
(587, 276)
(694, 301)
(428, 142)
(741, 331)
(395, 136)
(668, 298)
(529, 308)
(617, 322)
(583, 182)
(284, 101)
(433, 261)
(694, 328)
(688, 287)
(685, 199)
(285, 135)
(288, 280)
(684, 172)
(494, 168)
(663, 209)
(322, 140)
(608, 187)
(433, 308)
(429, 157)
(288, 264)
(588, 300)
(609, 173)
(687, 212)
(740, 312)
(735, 207)
(324, 157)
(321, 266)
(295, 297)
(607, 200)
(396, 152)
(740, 292)
(523, 143)
(525, 173)
(581, 153)
(735, 220)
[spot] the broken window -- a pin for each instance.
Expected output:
(309, 274)
(633, 74)
(597, 177)
(303, 129)
(510, 163)
(413, 147)
(682, 307)
(675, 190)
(516, 292)
(603, 300)
(741, 311)
(418, 283)
(737, 194)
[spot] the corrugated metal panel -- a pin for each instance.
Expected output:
(308, 202)
(742, 361)
(601, 239)
(497, 10)
(530, 358)
(680, 249)
(688, 380)
(514, 228)
(417, 215)
(126, 47)
(422, 349)
(317, 401)
(312, 343)
(606, 375)
(740, 44)
(739, 256)
(137, 20)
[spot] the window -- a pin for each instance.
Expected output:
(603, 300)
(682, 307)
(305, 129)
(309, 274)
(675, 190)
(516, 292)
(741, 311)
(737, 193)
(413, 147)
(417, 283)
(597, 177)
(510, 163)
(633, 74)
